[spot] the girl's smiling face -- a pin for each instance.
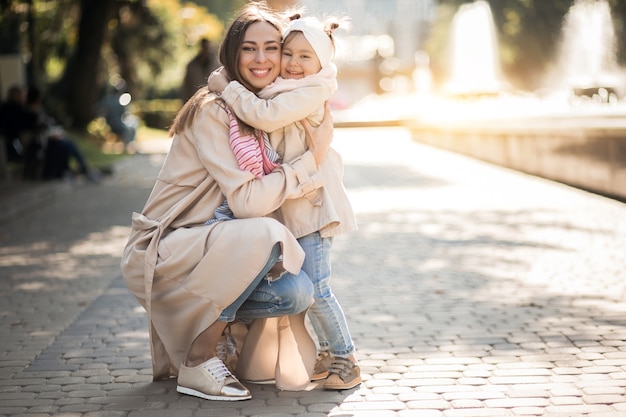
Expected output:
(298, 58)
(259, 55)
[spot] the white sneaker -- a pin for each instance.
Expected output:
(211, 380)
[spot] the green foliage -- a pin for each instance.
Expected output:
(52, 25)
(529, 33)
(223, 9)
(157, 113)
(10, 23)
(437, 43)
(618, 11)
(93, 152)
(167, 33)
(147, 42)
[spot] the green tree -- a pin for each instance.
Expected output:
(618, 12)
(223, 9)
(80, 78)
(78, 47)
(527, 30)
(529, 34)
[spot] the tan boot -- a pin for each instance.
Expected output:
(343, 375)
(322, 365)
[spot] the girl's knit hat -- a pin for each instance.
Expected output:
(316, 34)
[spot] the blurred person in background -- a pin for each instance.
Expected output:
(199, 69)
(115, 109)
(52, 144)
(12, 120)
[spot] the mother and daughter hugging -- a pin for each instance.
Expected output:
(232, 250)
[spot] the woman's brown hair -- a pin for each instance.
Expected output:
(256, 11)
(229, 49)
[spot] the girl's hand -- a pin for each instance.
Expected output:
(318, 139)
(218, 80)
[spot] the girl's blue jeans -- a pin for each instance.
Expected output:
(289, 295)
(326, 315)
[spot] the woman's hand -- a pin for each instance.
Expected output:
(318, 139)
(218, 80)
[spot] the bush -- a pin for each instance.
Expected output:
(157, 113)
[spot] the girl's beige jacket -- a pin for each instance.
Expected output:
(326, 210)
(184, 273)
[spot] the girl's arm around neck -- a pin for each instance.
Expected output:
(277, 112)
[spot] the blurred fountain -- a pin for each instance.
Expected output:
(573, 132)
(586, 85)
(587, 63)
(475, 66)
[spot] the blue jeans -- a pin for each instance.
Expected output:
(289, 295)
(326, 315)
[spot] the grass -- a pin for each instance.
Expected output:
(94, 153)
(103, 156)
(148, 133)
(98, 152)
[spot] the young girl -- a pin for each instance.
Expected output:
(307, 79)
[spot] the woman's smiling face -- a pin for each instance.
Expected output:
(259, 56)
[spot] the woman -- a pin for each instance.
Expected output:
(192, 277)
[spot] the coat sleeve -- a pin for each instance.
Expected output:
(248, 196)
(272, 114)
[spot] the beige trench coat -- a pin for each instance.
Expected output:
(185, 272)
(328, 209)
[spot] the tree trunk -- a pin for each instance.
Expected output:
(32, 77)
(81, 75)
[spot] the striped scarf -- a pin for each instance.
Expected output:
(254, 153)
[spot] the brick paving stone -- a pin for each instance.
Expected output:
(420, 413)
(527, 411)
(481, 412)
(470, 290)
(579, 409)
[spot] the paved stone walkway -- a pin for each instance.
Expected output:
(471, 290)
